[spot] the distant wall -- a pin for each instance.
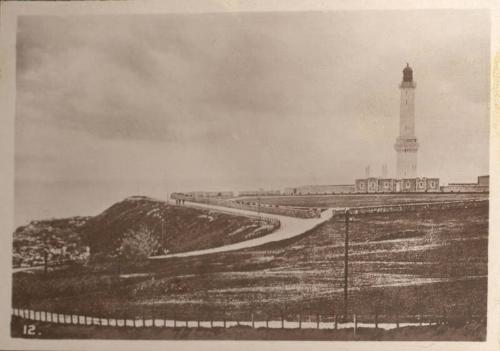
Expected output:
(252, 205)
(300, 212)
(320, 189)
(259, 193)
(412, 207)
(465, 188)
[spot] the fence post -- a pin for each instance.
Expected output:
(317, 320)
(198, 320)
(397, 320)
(211, 320)
(336, 321)
(164, 319)
(282, 321)
(355, 323)
(267, 321)
(253, 322)
(300, 320)
(153, 314)
(175, 320)
(376, 320)
(420, 319)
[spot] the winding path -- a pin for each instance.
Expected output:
(290, 227)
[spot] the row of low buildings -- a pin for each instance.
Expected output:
(387, 185)
(482, 186)
(391, 185)
(360, 186)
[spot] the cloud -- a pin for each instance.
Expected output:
(255, 99)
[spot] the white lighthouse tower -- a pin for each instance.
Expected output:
(406, 145)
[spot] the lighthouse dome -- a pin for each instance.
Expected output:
(407, 74)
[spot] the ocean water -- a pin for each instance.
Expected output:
(43, 200)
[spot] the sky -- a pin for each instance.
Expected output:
(114, 106)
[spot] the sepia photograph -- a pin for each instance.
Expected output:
(252, 175)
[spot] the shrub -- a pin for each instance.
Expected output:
(138, 244)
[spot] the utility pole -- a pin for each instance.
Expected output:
(258, 208)
(346, 262)
(45, 260)
(163, 232)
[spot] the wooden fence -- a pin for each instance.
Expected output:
(300, 322)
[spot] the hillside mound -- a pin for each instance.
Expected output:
(172, 228)
(176, 228)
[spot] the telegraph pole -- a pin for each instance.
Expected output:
(163, 232)
(258, 208)
(346, 262)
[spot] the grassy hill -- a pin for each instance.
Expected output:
(430, 262)
(175, 228)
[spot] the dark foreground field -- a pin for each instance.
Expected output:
(474, 331)
(431, 263)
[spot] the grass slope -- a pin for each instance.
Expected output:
(176, 228)
(430, 262)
